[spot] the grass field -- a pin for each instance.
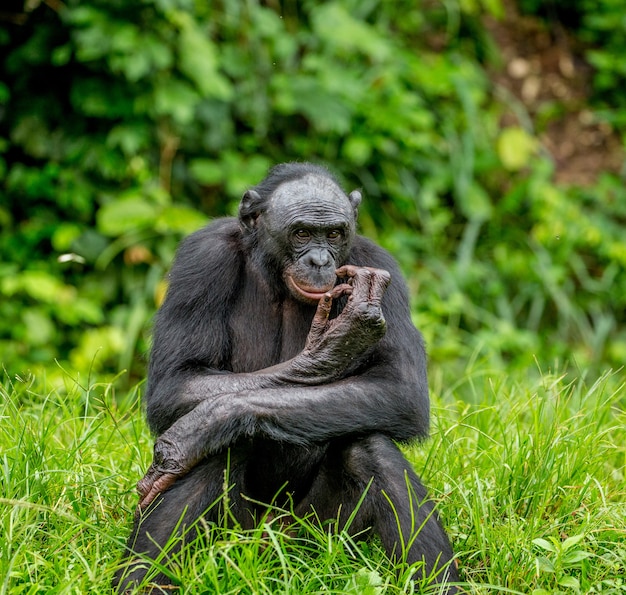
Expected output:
(528, 467)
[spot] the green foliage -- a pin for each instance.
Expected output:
(537, 477)
(562, 556)
(170, 110)
(529, 478)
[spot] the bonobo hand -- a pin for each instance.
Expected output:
(163, 472)
(333, 344)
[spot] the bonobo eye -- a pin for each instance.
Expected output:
(334, 234)
(302, 234)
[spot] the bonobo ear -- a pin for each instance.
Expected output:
(355, 201)
(250, 209)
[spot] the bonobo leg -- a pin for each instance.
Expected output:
(199, 493)
(395, 506)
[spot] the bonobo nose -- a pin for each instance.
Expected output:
(318, 257)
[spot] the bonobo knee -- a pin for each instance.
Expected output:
(374, 454)
(376, 458)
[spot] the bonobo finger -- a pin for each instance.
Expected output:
(152, 485)
(325, 304)
(352, 270)
(320, 320)
(339, 290)
(358, 278)
(379, 282)
(369, 283)
(347, 270)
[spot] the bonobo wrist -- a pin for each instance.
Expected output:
(168, 457)
(313, 368)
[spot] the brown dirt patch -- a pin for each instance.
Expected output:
(543, 69)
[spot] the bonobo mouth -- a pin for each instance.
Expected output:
(306, 293)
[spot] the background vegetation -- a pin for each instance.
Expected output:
(487, 136)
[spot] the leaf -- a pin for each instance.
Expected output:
(572, 541)
(39, 285)
(545, 565)
(475, 203)
(543, 544)
(206, 171)
(134, 66)
(569, 581)
(357, 149)
(39, 328)
(515, 148)
(93, 42)
(126, 214)
(364, 582)
(326, 111)
(96, 346)
(64, 235)
(339, 29)
(574, 557)
(198, 61)
(130, 137)
(124, 38)
(82, 310)
(175, 98)
(180, 218)
(243, 172)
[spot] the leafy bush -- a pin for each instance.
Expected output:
(162, 113)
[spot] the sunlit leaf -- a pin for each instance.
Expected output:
(365, 582)
(177, 99)
(64, 235)
(575, 557)
(198, 60)
(180, 218)
(39, 327)
(207, 171)
(544, 544)
(128, 214)
(516, 148)
(570, 582)
(339, 28)
(572, 541)
(326, 111)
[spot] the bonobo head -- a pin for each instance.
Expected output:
(299, 224)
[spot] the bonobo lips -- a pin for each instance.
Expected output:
(307, 293)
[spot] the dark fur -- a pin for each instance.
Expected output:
(224, 319)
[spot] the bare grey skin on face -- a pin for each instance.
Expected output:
(315, 220)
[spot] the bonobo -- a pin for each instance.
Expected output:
(284, 353)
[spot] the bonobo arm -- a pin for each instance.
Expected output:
(332, 347)
(306, 399)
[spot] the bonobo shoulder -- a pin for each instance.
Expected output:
(219, 241)
(214, 250)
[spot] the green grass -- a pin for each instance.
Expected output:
(529, 470)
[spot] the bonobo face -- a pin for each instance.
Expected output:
(311, 223)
